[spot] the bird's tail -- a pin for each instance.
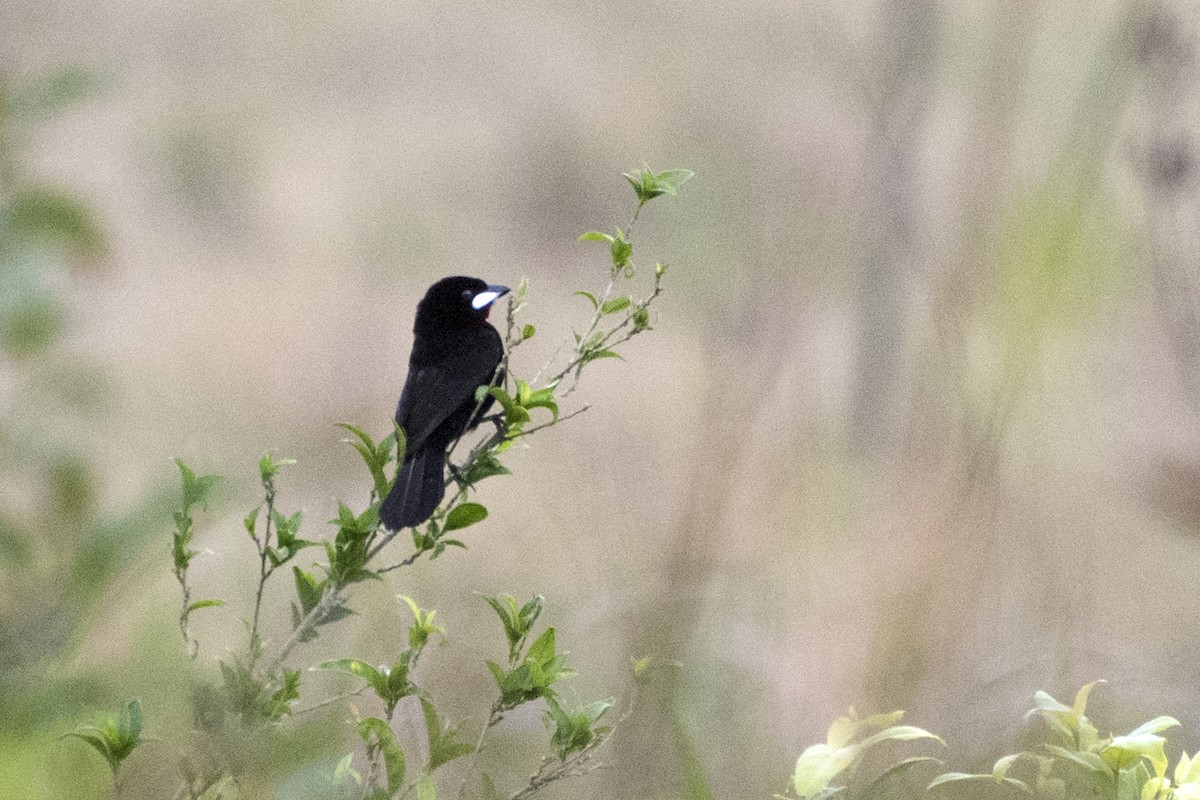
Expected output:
(418, 489)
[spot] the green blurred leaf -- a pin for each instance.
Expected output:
(876, 787)
(268, 466)
(442, 738)
(615, 305)
(1088, 760)
(594, 355)
(622, 251)
(648, 184)
(31, 326)
(594, 236)
(196, 488)
(52, 93)
(359, 669)
(574, 731)
(308, 588)
(464, 515)
(204, 604)
(484, 466)
(954, 777)
(41, 214)
(379, 738)
(114, 738)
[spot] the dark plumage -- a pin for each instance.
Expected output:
(455, 351)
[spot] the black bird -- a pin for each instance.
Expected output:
(455, 351)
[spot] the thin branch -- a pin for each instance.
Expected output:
(307, 625)
(577, 765)
(264, 572)
(494, 717)
(405, 563)
(331, 701)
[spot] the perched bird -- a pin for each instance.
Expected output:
(455, 351)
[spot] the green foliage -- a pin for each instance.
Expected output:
(257, 694)
(533, 677)
(67, 554)
(114, 737)
(648, 184)
(517, 622)
(377, 456)
(574, 731)
(441, 738)
(849, 740)
(1077, 761)
(383, 749)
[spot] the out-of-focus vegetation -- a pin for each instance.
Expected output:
(920, 431)
(62, 550)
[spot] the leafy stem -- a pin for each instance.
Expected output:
(264, 568)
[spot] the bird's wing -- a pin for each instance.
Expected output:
(434, 391)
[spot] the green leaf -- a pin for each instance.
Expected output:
(1124, 751)
(114, 738)
(1081, 697)
(442, 738)
(527, 332)
(574, 731)
(595, 355)
(1089, 761)
(670, 180)
(594, 236)
(268, 466)
(464, 515)
(818, 765)
(622, 251)
(544, 398)
(484, 466)
(649, 185)
(899, 733)
(542, 649)
(1187, 771)
(196, 489)
(251, 521)
(359, 669)
(1156, 725)
(374, 456)
(308, 588)
(45, 214)
(204, 604)
(31, 325)
(951, 777)
(875, 787)
(615, 305)
(380, 739)
(52, 93)
(426, 788)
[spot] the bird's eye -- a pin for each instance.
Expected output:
(467, 295)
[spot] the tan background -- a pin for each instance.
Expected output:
(917, 427)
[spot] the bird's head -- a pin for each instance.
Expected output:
(458, 299)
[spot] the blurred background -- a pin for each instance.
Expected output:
(917, 426)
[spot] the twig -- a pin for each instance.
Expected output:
(309, 623)
(263, 571)
(405, 563)
(494, 717)
(330, 701)
(575, 766)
